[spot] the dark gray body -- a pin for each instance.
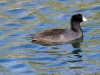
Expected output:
(57, 35)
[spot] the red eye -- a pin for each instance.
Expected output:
(80, 16)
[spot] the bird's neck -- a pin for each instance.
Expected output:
(75, 26)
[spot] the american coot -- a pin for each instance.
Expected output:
(62, 35)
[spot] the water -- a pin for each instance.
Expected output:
(21, 19)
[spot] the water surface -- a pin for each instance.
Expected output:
(21, 19)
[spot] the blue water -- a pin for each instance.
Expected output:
(21, 19)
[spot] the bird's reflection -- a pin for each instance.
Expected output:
(76, 45)
(78, 50)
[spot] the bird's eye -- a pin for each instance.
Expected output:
(80, 16)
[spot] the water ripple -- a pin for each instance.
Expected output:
(28, 17)
(16, 11)
(13, 25)
(30, 4)
(5, 60)
(4, 4)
